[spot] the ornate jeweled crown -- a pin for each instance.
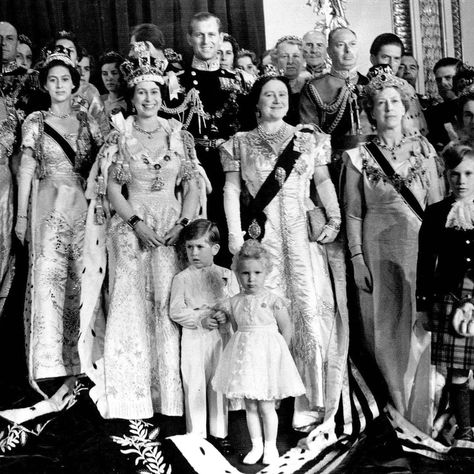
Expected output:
(59, 53)
(142, 66)
(381, 77)
(270, 70)
(464, 80)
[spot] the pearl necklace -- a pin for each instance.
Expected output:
(274, 137)
(59, 116)
(390, 149)
(149, 133)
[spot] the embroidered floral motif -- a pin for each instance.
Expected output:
(143, 444)
(415, 171)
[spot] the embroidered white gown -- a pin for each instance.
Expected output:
(138, 372)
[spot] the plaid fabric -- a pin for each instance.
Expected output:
(447, 348)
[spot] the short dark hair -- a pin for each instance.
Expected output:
(111, 57)
(233, 42)
(203, 16)
(335, 30)
(256, 90)
(200, 228)
(462, 101)
(68, 35)
(448, 61)
(385, 39)
(454, 153)
(149, 32)
(75, 76)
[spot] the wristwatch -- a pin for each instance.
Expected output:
(184, 221)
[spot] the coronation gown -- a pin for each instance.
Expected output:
(56, 222)
(300, 270)
(137, 373)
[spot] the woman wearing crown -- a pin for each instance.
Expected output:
(58, 152)
(389, 182)
(137, 372)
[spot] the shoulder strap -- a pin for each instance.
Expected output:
(387, 168)
(62, 142)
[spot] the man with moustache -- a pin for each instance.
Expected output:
(315, 52)
(212, 112)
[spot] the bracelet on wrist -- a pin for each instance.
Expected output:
(184, 221)
(133, 221)
(21, 217)
(334, 223)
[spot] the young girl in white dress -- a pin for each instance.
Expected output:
(256, 364)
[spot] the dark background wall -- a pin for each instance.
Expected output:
(105, 24)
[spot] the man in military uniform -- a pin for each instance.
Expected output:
(315, 52)
(213, 112)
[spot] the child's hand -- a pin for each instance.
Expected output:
(220, 317)
(209, 323)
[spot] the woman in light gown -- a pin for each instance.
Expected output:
(58, 152)
(137, 373)
(382, 230)
(8, 128)
(290, 157)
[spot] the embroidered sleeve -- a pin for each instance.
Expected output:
(30, 130)
(189, 162)
(114, 152)
(322, 155)
(95, 131)
(230, 154)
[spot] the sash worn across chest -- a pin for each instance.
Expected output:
(62, 142)
(252, 210)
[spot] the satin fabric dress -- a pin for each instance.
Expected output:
(7, 260)
(137, 373)
(390, 248)
(56, 218)
(300, 270)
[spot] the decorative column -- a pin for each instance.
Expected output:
(456, 14)
(402, 24)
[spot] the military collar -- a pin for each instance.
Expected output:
(350, 75)
(13, 67)
(201, 65)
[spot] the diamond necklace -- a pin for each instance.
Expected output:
(59, 116)
(272, 137)
(390, 149)
(149, 133)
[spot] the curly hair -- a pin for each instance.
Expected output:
(252, 250)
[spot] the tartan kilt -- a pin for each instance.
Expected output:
(447, 348)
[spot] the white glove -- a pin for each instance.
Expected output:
(328, 197)
(25, 176)
(232, 214)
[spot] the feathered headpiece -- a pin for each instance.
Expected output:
(142, 67)
(381, 76)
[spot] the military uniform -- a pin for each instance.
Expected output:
(221, 93)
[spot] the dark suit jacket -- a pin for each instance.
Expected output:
(445, 256)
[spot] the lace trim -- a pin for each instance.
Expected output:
(461, 216)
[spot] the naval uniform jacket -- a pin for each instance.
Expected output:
(444, 272)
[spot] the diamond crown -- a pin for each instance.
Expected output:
(142, 66)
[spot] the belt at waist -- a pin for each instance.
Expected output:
(266, 327)
(209, 143)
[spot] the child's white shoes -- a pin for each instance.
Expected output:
(270, 453)
(254, 455)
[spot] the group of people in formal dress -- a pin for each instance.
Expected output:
(198, 238)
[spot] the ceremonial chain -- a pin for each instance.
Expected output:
(274, 137)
